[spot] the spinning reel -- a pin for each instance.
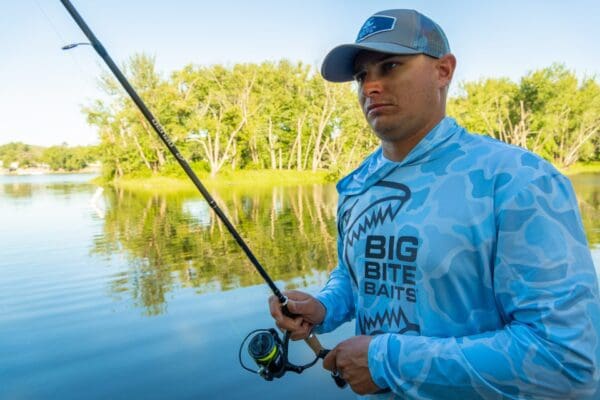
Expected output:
(270, 353)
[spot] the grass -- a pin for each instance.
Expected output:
(260, 178)
(581, 168)
(249, 178)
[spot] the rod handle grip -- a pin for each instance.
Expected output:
(313, 342)
(286, 311)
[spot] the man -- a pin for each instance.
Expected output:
(462, 259)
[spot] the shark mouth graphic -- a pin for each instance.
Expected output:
(394, 318)
(375, 214)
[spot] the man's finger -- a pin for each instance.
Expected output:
(279, 326)
(330, 360)
(295, 307)
(275, 307)
(276, 311)
(289, 324)
(302, 332)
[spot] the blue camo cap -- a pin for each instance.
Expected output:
(390, 32)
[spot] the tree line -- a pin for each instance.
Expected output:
(249, 116)
(550, 112)
(281, 115)
(284, 116)
(56, 158)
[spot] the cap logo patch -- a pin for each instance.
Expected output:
(375, 24)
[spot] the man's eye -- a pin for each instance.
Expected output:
(359, 77)
(388, 66)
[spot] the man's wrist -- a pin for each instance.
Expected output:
(322, 325)
(377, 358)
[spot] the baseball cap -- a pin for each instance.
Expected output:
(391, 32)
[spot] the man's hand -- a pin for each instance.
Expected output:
(350, 359)
(309, 311)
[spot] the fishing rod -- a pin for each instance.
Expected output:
(266, 348)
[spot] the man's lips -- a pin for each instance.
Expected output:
(376, 107)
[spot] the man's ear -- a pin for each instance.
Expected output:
(446, 66)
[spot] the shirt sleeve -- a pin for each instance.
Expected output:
(546, 290)
(336, 296)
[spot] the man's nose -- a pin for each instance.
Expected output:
(371, 85)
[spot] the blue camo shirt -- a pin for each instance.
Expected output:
(468, 263)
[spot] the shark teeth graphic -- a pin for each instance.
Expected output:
(373, 215)
(394, 318)
(378, 217)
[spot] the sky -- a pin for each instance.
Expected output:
(43, 89)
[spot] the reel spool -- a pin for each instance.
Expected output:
(270, 353)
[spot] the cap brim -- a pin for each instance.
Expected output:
(338, 65)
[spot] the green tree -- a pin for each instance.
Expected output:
(566, 112)
(270, 115)
(219, 104)
(550, 112)
(128, 143)
(24, 154)
(66, 158)
(492, 106)
(281, 115)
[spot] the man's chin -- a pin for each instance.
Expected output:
(384, 131)
(383, 122)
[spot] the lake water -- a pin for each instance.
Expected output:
(136, 295)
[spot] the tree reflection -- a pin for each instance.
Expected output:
(26, 190)
(17, 190)
(587, 187)
(176, 240)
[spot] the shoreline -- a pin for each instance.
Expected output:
(244, 177)
(44, 171)
(254, 178)
(581, 168)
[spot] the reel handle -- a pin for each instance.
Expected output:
(313, 342)
(339, 381)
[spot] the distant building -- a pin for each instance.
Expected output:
(13, 166)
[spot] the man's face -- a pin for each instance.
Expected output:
(399, 94)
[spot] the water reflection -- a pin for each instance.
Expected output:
(176, 240)
(60, 330)
(17, 190)
(172, 241)
(587, 187)
(26, 186)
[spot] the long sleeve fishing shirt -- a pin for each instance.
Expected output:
(468, 263)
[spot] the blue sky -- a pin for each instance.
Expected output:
(43, 88)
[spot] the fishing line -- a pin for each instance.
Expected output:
(74, 59)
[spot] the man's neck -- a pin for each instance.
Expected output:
(398, 150)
